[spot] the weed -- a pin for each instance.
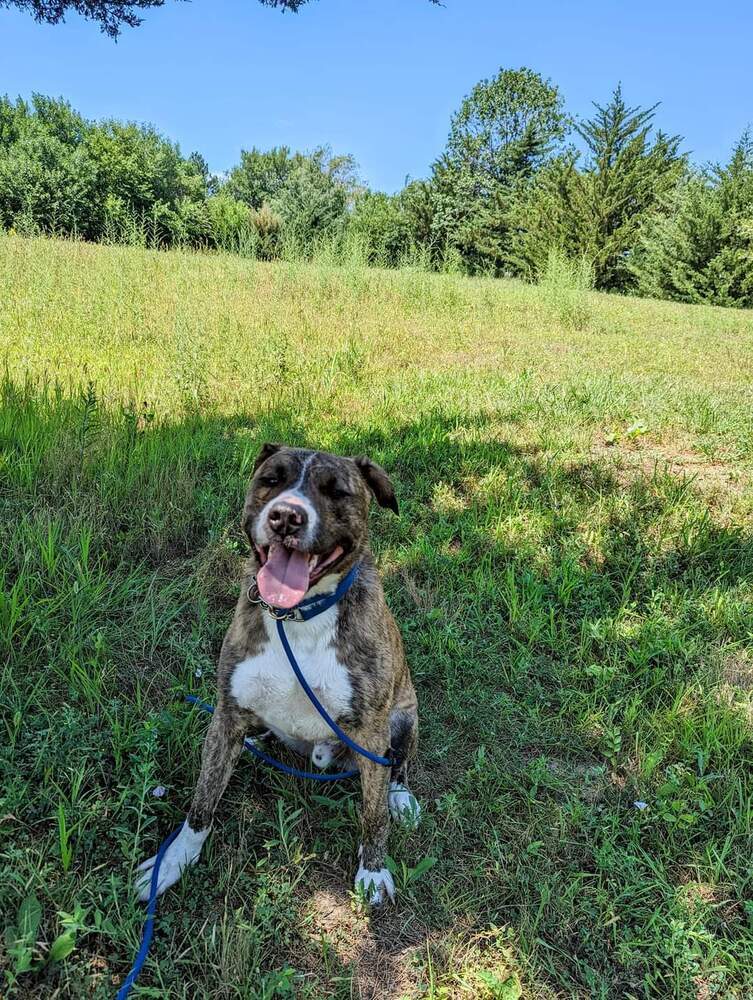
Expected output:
(565, 284)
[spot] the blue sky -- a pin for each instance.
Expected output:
(380, 78)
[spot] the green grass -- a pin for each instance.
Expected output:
(572, 572)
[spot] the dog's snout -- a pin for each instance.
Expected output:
(287, 518)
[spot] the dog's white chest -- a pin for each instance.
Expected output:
(266, 684)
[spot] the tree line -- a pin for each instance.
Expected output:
(519, 180)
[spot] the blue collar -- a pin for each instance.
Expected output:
(309, 607)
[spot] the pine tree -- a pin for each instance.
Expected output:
(700, 249)
(598, 211)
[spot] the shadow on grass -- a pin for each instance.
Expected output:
(562, 629)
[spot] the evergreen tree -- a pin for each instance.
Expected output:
(700, 249)
(314, 200)
(598, 211)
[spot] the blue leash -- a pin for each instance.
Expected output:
(385, 761)
(285, 768)
(151, 909)
(306, 610)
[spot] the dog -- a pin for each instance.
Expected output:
(306, 517)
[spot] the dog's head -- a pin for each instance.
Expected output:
(306, 516)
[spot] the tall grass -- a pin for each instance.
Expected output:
(565, 284)
(339, 246)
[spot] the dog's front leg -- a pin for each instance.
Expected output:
(222, 746)
(373, 877)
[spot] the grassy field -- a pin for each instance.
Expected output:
(572, 572)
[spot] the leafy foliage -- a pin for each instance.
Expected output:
(503, 133)
(121, 182)
(382, 226)
(261, 175)
(62, 174)
(505, 128)
(318, 191)
(309, 193)
(700, 247)
(112, 15)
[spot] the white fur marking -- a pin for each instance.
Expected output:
(265, 536)
(322, 755)
(266, 684)
(377, 886)
(404, 807)
(183, 851)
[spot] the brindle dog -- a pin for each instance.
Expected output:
(306, 517)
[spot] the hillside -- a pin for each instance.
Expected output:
(572, 571)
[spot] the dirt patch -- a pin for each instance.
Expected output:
(377, 950)
(391, 956)
(425, 599)
(643, 458)
(737, 670)
(696, 896)
(735, 689)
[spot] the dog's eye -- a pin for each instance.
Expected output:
(334, 490)
(269, 480)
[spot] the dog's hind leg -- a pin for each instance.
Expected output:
(403, 804)
(222, 746)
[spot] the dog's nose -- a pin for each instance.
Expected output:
(287, 518)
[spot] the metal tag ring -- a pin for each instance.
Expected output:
(293, 615)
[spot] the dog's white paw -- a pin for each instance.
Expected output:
(404, 807)
(377, 886)
(183, 851)
(322, 755)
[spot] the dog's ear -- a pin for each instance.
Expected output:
(267, 450)
(378, 482)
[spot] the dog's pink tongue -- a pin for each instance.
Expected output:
(284, 578)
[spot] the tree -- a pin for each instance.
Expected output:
(598, 211)
(142, 178)
(506, 127)
(381, 225)
(112, 15)
(295, 5)
(47, 182)
(418, 203)
(503, 133)
(699, 248)
(60, 173)
(261, 174)
(311, 193)
(313, 201)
